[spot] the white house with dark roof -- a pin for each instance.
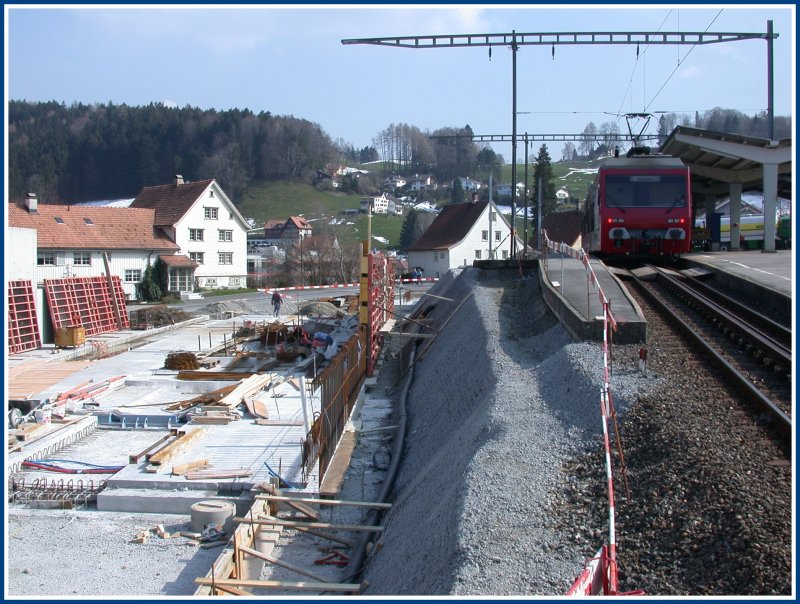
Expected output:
(210, 233)
(379, 204)
(461, 234)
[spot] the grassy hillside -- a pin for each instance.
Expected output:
(279, 200)
(574, 175)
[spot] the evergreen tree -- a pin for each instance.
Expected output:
(543, 171)
(148, 289)
(407, 230)
(415, 224)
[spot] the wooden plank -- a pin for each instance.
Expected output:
(33, 376)
(256, 407)
(313, 525)
(192, 465)
(298, 586)
(303, 509)
(334, 538)
(211, 420)
(232, 590)
(177, 446)
(26, 432)
(200, 474)
(248, 387)
(207, 398)
(291, 567)
(197, 374)
(278, 422)
(363, 504)
(136, 457)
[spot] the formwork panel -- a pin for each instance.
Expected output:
(23, 328)
(88, 302)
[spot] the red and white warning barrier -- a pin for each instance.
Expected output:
(600, 576)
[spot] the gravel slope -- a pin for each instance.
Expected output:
(499, 403)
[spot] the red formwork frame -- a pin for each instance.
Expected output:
(377, 302)
(23, 324)
(87, 302)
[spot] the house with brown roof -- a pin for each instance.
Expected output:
(80, 241)
(459, 235)
(209, 231)
(286, 233)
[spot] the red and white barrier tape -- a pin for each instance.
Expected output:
(299, 287)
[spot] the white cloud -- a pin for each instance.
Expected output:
(690, 72)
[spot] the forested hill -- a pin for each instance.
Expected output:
(85, 152)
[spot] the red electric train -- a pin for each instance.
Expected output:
(639, 205)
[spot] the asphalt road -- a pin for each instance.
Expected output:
(292, 297)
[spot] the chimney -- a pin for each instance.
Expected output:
(32, 203)
(178, 180)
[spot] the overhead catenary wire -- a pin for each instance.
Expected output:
(680, 61)
(636, 63)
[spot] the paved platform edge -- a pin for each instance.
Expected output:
(582, 329)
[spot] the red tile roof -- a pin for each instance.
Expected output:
(274, 223)
(98, 228)
(171, 201)
(299, 222)
(450, 226)
(179, 261)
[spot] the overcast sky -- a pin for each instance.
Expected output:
(289, 60)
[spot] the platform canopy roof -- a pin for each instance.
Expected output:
(717, 159)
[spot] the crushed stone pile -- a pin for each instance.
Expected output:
(499, 403)
(236, 307)
(320, 309)
(160, 315)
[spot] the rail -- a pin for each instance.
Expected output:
(743, 385)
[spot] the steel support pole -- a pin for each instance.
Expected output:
(513, 242)
(525, 193)
(770, 83)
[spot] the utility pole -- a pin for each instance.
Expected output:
(514, 49)
(525, 193)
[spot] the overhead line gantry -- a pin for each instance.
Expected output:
(514, 40)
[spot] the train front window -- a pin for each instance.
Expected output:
(645, 190)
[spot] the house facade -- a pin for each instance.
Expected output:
(424, 182)
(468, 184)
(209, 231)
(81, 241)
(379, 204)
(394, 182)
(461, 234)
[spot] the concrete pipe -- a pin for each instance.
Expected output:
(213, 511)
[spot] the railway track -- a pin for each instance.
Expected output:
(736, 349)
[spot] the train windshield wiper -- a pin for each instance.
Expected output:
(675, 203)
(609, 201)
